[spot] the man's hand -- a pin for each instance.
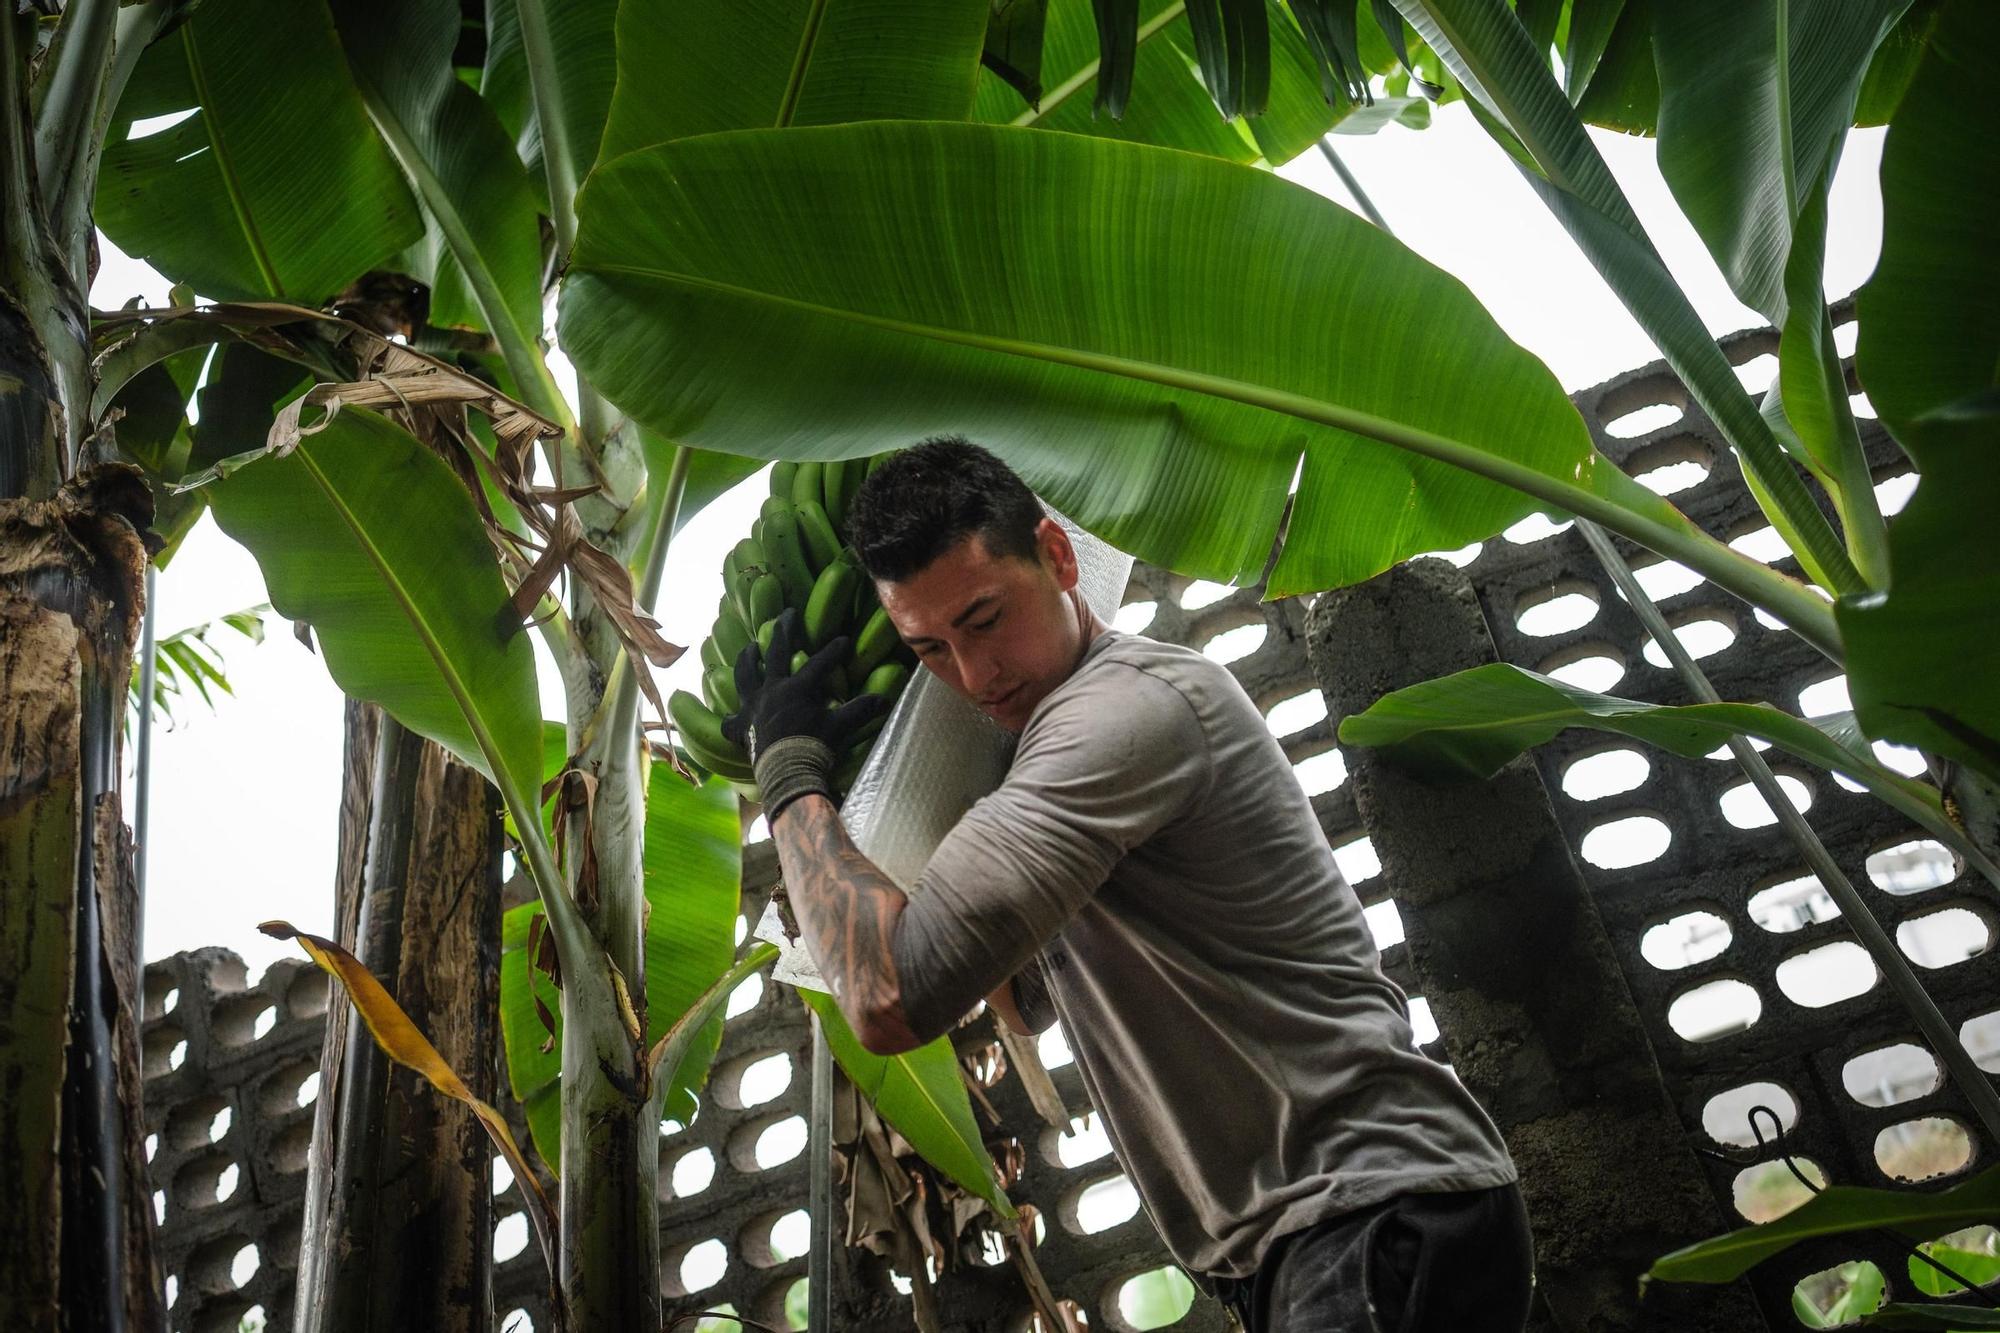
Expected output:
(793, 739)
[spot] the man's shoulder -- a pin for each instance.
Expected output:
(1143, 687)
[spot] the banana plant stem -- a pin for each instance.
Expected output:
(1972, 1080)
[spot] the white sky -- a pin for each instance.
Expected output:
(245, 799)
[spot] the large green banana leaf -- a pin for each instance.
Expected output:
(1925, 656)
(922, 1095)
(1169, 106)
(1471, 723)
(1835, 1211)
(370, 538)
(1755, 101)
(1154, 339)
(693, 872)
(277, 186)
(693, 68)
(1514, 94)
(485, 235)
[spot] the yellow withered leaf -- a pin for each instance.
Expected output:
(402, 1042)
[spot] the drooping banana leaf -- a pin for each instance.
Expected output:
(922, 1094)
(693, 872)
(1168, 103)
(277, 186)
(1835, 1211)
(1154, 340)
(371, 539)
(1513, 93)
(1471, 723)
(1755, 101)
(1924, 654)
(484, 239)
(1013, 45)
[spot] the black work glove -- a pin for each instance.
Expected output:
(793, 739)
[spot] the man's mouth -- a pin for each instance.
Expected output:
(999, 699)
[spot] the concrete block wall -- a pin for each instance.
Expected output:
(1709, 866)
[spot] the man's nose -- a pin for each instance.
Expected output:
(976, 671)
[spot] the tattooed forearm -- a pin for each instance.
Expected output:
(848, 910)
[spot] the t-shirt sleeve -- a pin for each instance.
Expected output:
(1102, 770)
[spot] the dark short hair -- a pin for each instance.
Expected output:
(925, 500)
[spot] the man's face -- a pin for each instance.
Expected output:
(1000, 630)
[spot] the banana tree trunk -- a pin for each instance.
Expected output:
(399, 1205)
(74, 1202)
(75, 1210)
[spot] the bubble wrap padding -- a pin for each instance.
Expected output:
(936, 757)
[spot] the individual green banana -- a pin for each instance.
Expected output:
(841, 483)
(887, 680)
(806, 483)
(764, 632)
(785, 551)
(817, 532)
(730, 634)
(735, 586)
(782, 474)
(700, 732)
(718, 691)
(799, 660)
(830, 604)
(767, 599)
(873, 645)
(711, 653)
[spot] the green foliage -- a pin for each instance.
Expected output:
(482, 252)
(277, 186)
(188, 660)
(691, 69)
(843, 253)
(1857, 1290)
(1970, 1253)
(368, 537)
(921, 1094)
(1923, 657)
(693, 873)
(1469, 724)
(1835, 1211)
(1754, 108)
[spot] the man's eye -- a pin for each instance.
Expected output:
(989, 622)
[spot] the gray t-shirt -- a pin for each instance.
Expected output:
(1215, 977)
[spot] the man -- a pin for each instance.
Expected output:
(1152, 872)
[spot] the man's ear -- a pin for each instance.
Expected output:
(1058, 556)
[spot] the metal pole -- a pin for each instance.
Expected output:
(143, 772)
(819, 1187)
(1972, 1081)
(1361, 198)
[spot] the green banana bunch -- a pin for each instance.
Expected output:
(795, 556)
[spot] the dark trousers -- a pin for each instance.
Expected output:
(1417, 1263)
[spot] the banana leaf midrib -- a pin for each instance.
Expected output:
(225, 166)
(1285, 402)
